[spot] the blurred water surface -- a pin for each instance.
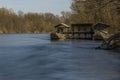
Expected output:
(35, 57)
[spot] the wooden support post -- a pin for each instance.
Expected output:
(72, 32)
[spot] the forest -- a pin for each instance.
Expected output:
(82, 11)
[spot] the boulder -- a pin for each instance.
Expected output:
(113, 42)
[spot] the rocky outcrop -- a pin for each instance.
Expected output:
(101, 35)
(58, 36)
(113, 42)
(100, 32)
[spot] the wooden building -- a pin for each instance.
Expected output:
(101, 32)
(61, 32)
(100, 26)
(82, 31)
(78, 31)
(62, 28)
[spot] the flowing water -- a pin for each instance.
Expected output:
(36, 57)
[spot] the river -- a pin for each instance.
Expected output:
(36, 57)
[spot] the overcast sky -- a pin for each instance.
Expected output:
(53, 6)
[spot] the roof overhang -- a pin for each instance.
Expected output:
(62, 25)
